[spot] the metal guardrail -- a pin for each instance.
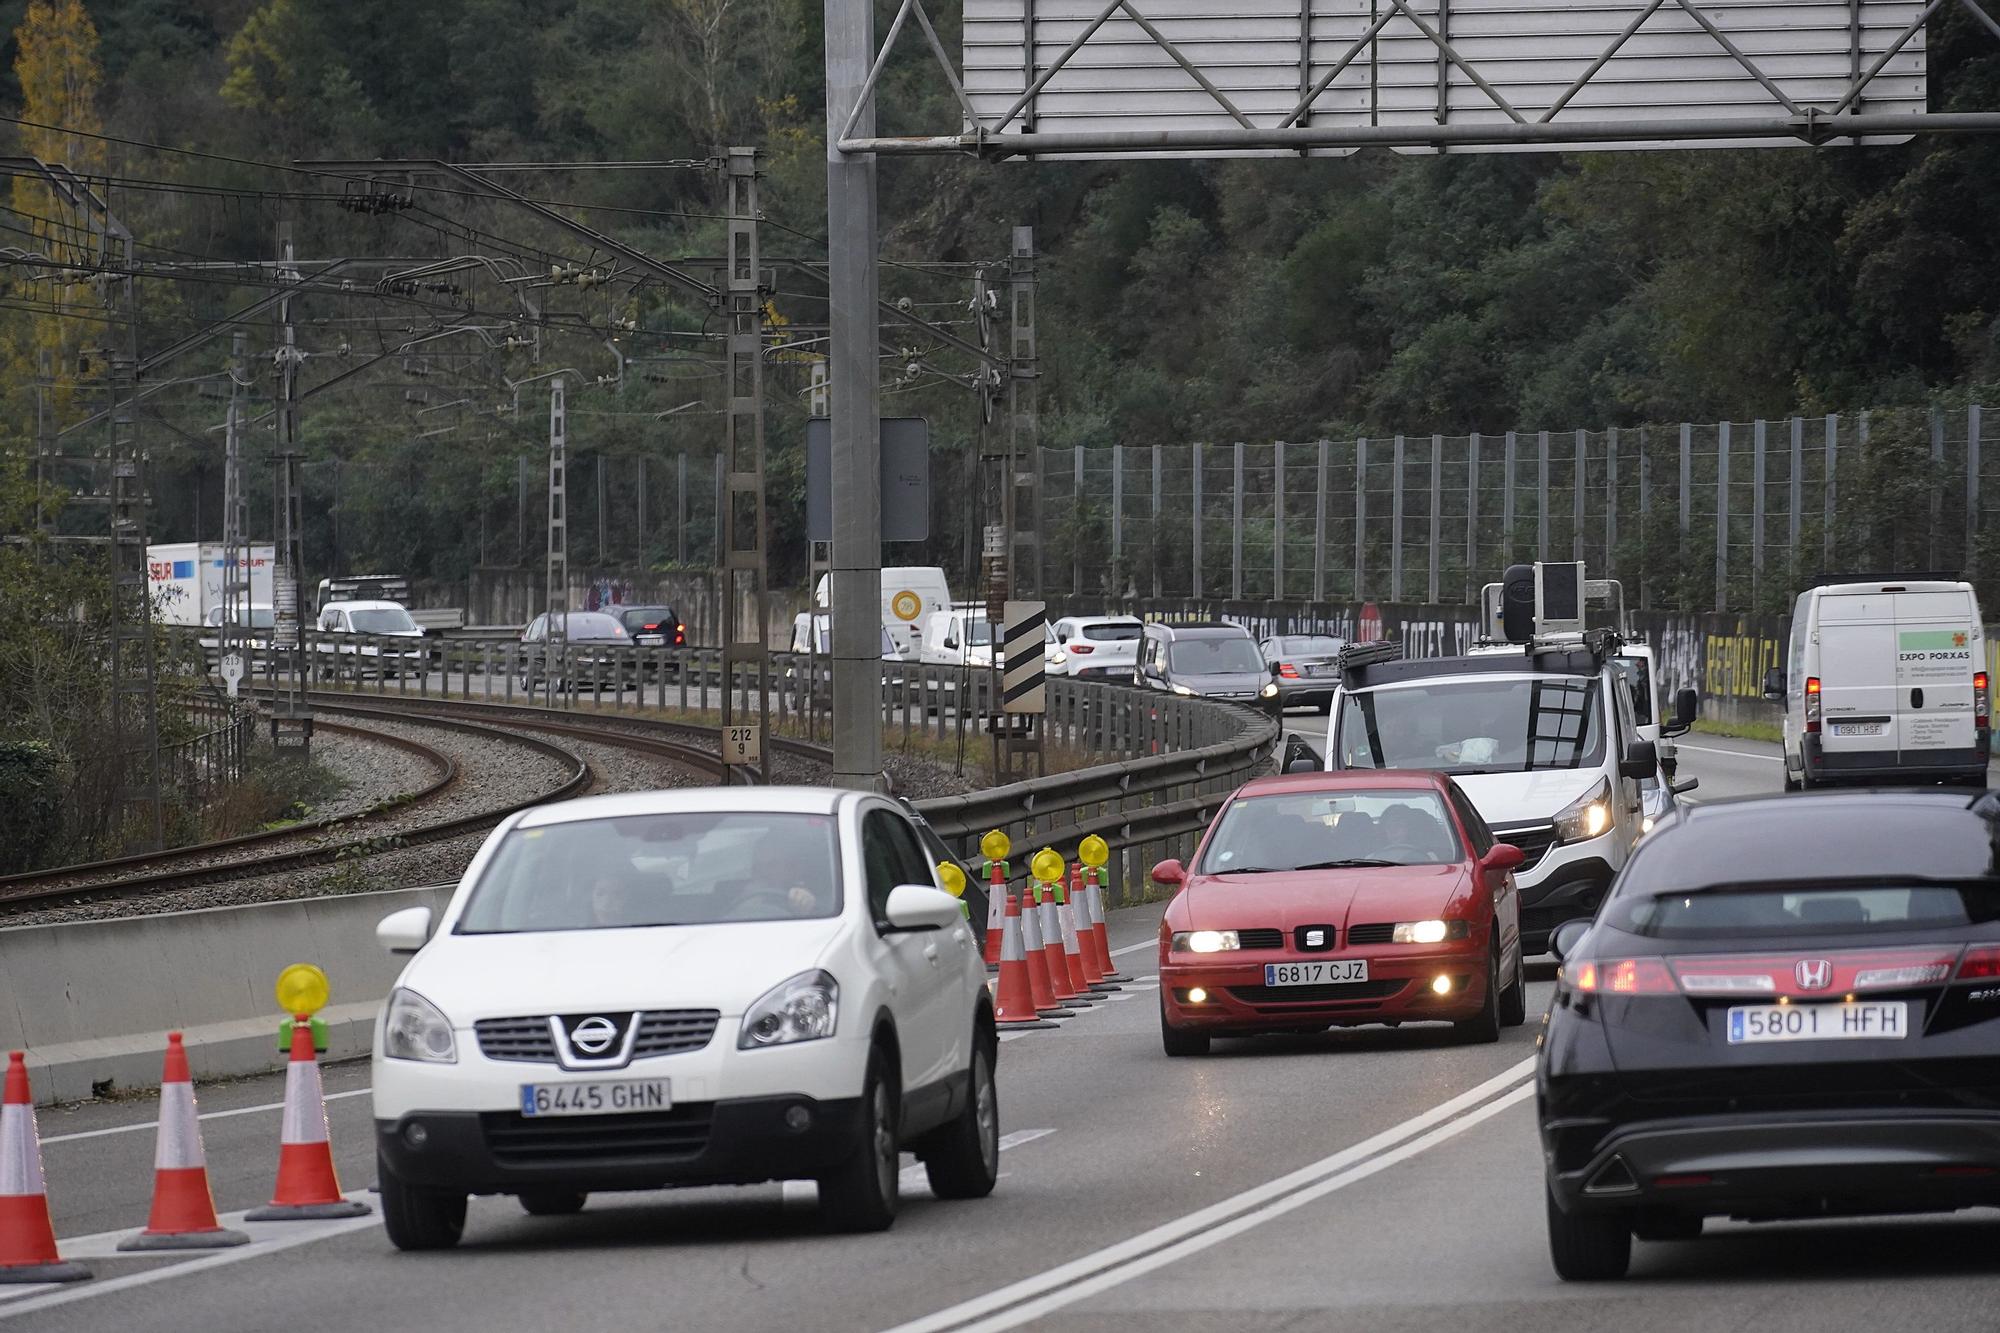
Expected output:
(1169, 760)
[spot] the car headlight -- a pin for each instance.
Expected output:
(1182, 689)
(1205, 941)
(802, 1008)
(1646, 825)
(1587, 816)
(1430, 932)
(416, 1029)
(1270, 690)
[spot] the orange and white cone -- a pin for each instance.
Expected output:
(1072, 946)
(1052, 946)
(27, 1234)
(183, 1216)
(1039, 986)
(996, 911)
(1086, 933)
(1098, 927)
(307, 1189)
(1015, 1003)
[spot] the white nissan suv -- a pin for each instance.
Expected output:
(685, 988)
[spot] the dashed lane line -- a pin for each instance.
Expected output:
(206, 1115)
(1729, 754)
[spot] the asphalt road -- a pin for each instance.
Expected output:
(1368, 1179)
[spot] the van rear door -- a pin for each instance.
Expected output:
(1937, 635)
(1857, 671)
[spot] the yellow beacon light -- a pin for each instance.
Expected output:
(953, 879)
(995, 846)
(302, 989)
(1047, 866)
(1093, 851)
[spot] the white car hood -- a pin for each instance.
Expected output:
(1526, 798)
(724, 967)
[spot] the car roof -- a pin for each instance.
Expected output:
(1199, 629)
(1346, 779)
(1820, 836)
(1410, 670)
(1101, 620)
(365, 604)
(631, 608)
(686, 800)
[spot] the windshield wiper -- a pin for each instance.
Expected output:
(1255, 870)
(1351, 862)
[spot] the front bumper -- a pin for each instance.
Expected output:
(738, 1142)
(1796, 1165)
(1398, 988)
(1568, 882)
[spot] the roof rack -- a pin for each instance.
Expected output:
(1356, 656)
(1823, 579)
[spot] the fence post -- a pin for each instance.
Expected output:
(1576, 502)
(1722, 516)
(1542, 495)
(1937, 481)
(1687, 478)
(1756, 512)
(1611, 501)
(1076, 508)
(1195, 464)
(1117, 520)
(1278, 521)
(1360, 515)
(1507, 504)
(1645, 513)
(1971, 482)
(1797, 497)
(1319, 529)
(1827, 487)
(1472, 577)
(1396, 522)
(1236, 532)
(1437, 498)
(1156, 523)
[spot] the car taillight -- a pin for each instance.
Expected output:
(1625, 976)
(1982, 708)
(1081, 649)
(1288, 671)
(649, 628)
(1981, 963)
(1812, 703)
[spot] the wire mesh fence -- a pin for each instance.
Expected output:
(1733, 516)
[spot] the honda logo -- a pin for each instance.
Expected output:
(1813, 973)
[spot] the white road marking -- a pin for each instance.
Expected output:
(1730, 754)
(1033, 1297)
(265, 1238)
(1134, 948)
(206, 1115)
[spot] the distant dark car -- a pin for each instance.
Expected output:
(1308, 668)
(653, 626)
(1210, 659)
(1787, 1007)
(599, 653)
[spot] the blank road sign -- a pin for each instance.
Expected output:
(906, 479)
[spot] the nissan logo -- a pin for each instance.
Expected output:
(593, 1036)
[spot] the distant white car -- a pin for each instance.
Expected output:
(1097, 647)
(685, 988)
(372, 626)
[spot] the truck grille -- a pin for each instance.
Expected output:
(1534, 840)
(581, 1140)
(661, 1032)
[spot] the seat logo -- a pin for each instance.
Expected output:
(593, 1036)
(1813, 973)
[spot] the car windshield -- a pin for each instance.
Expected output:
(658, 870)
(979, 631)
(1474, 725)
(646, 617)
(1784, 910)
(1330, 830)
(384, 620)
(1114, 632)
(589, 625)
(1219, 656)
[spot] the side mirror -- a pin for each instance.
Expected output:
(1641, 761)
(922, 907)
(1276, 670)
(951, 642)
(1563, 942)
(404, 931)
(1502, 857)
(1687, 707)
(1171, 872)
(1300, 757)
(1774, 684)
(1684, 785)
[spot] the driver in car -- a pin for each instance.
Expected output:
(615, 901)
(780, 869)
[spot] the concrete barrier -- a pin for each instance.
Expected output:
(91, 1002)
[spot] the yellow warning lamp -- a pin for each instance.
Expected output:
(1047, 866)
(953, 879)
(1093, 851)
(995, 846)
(302, 989)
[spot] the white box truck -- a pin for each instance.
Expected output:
(185, 579)
(910, 593)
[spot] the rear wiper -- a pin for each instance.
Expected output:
(1350, 862)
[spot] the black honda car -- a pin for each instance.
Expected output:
(1787, 1007)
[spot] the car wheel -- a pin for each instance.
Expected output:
(861, 1193)
(1484, 1026)
(1514, 1000)
(1588, 1247)
(1180, 1041)
(962, 1160)
(1666, 1226)
(419, 1219)
(552, 1203)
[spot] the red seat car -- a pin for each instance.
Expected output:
(1329, 899)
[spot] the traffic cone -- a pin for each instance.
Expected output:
(183, 1216)
(1072, 949)
(1015, 1002)
(996, 910)
(1086, 933)
(307, 1189)
(1098, 927)
(1038, 961)
(27, 1234)
(1052, 947)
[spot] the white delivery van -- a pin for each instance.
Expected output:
(910, 593)
(957, 636)
(185, 579)
(1885, 682)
